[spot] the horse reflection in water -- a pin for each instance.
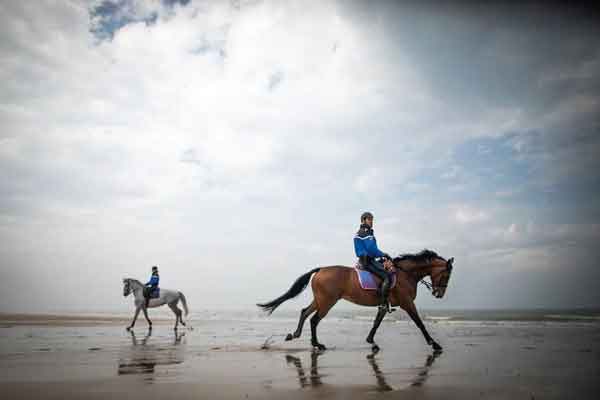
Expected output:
(314, 379)
(143, 356)
(382, 385)
(424, 374)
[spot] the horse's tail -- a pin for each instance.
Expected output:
(182, 297)
(294, 291)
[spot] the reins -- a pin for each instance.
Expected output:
(428, 285)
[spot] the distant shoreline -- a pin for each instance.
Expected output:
(25, 319)
(591, 315)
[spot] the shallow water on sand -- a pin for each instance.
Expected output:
(551, 360)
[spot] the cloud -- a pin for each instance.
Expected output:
(197, 134)
(465, 215)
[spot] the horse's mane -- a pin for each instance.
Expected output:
(133, 280)
(423, 256)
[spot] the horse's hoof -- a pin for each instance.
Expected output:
(319, 346)
(289, 337)
(128, 329)
(291, 359)
(436, 347)
(375, 349)
(370, 340)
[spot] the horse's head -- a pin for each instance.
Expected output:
(440, 276)
(425, 263)
(126, 287)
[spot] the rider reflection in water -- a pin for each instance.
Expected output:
(365, 246)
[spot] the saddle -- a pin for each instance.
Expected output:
(151, 293)
(369, 281)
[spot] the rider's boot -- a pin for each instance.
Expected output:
(384, 291)
(147, 293)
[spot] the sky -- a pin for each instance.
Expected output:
(235, 145)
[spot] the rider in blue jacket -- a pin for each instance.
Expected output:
(151, 285)
(365, 246)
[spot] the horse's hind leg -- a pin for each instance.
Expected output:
(180, 316)
(305, 313)
(177, 312)
(323, 308)
(314, 321)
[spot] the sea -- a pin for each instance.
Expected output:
(546, 352)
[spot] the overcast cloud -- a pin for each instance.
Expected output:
(235, 144)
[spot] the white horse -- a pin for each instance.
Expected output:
(170, 297)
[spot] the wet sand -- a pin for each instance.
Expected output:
(71, 357)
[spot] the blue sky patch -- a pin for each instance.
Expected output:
(111, 15)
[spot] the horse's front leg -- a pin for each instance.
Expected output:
(147, 319)
(412, 311)
(137, 311)
(380, 315)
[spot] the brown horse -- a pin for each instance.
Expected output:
(333, 283)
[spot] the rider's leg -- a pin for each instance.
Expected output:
(385, 291)
(146, 294)
(378, 269)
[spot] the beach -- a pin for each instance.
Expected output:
(234, 356)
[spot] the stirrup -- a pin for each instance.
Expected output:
(387, 307)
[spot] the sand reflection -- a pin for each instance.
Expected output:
(147, 353)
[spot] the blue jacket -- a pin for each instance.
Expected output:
(365, 243)
(153, 281)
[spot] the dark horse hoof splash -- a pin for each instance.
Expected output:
(319, 346)
(436, 346)
(330, 284)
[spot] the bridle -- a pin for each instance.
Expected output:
(428, 285)
(127, 288)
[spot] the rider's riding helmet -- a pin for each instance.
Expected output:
(155, 269)
(366, 215)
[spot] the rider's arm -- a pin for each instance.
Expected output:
(153, 281)
(372, 249)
